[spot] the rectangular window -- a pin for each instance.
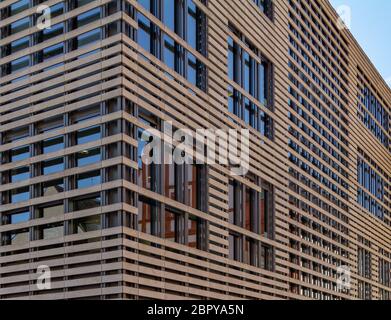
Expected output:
(250, 209)
(50, 188)
(51, 231)
(19, 25)
(171, 226)
(49, 211)
(52, 52)
(87, 224)
(88, 17)
(88, 38)
(87, 180)
(20, 64)
(20, 44)
(53, 145)
(17, 217)
(144, 35)
(19, 154)
(19, 6)
(88, 135)
(85, 203)
(20, 174)
(19, 237)
(57, 10)
(169, 13)
(20, 194)
(54, 31)
(266, 6)
(85, 114)
(193, 232)
(148, 216)
(53, 166)
(87, 157)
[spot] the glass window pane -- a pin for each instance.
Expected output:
(87, 157)
(192, 25)
(20, 64)
(88, 17)
(20, 153)
(20, 174)
(169, 14)
(88, 179)
(20, 44)
(21, 194)
(19, 25)
(53, 166)
(19, 217)
(19, 6)
(53, 51)
(53, 187)
(53, 144)
(88, 37)
(88, 135)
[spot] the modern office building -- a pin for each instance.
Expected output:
(309, 220)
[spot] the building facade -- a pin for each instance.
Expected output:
(80, 90)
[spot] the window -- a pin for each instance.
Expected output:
(235, 243)
(52, 52)
(197, 186)
(252, 75)
(196, 233)
(145, 34)
(148, 174)
(266, 6)
(182, 17)
(88, 38)
(148, 216)
(170, 183)
(87, 180)
(18, 237)
(250, 209)
(19, 6)
(364, 260)
(53, 145)
(87, 202)
(85, 114)
(53, 166)
(80, 3)
(19, 64)
(20, 44)
(17, 217)
(52, 187)
(19, 154)
(49, 33)
(87, 224)
(20, 194)
(87, 157)
(88, 17)
(171, 226)
(20, 174)
(88, 135)
(177, 58)
(57, 10)
(52, 210)
(51, 231)
(19, 25)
